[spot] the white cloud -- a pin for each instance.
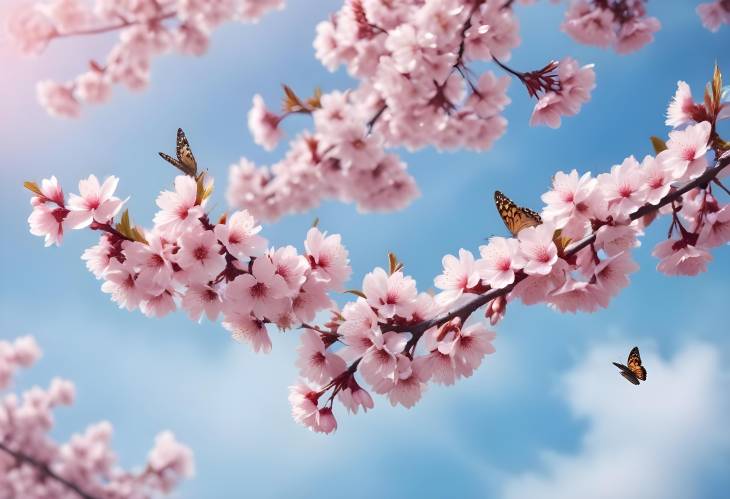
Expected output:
(650, 441)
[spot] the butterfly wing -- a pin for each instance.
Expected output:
(172, 161)
(513, 216)
(634, 364)
(627, 373)
(630, 376)
(185, 154)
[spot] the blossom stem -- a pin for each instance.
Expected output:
(45, 470)
(114, 27)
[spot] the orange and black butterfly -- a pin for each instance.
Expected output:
(515, 217)
(635, 371)
(185, 161)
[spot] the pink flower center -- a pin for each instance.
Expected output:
(234, 237)
(391, 298)
(317, 359)
(200, 253)
(625, 190)
(656, 182)
(155, 261)
(542, 255)
(688, 153)
(92, 204)
(504, 264)
(258, 290)
(568, 197)
(60, 214)
(182, 213)
(210, 296)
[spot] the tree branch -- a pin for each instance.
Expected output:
(467, 309)
(114, 27)
(43, 468)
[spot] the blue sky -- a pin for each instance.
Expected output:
(546, 416)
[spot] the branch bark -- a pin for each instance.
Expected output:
(43, 468)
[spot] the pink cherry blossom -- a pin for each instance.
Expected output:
(406, 385)
(246, 328)
(264, 125)
(615, 239)
(178, 209)
(459, 275)
(623, 188)
(354, 397)
(359, 327)
(303, 402)
(93, 87)
(240, 235)
(391, 295)
(636, 33)
(501, 259)
(328, 257)
(30, 29)
(291, 266)
(714, 14)
(315, 363)
(262, 291)
(152, 260)
(200, 254)
(158, 304)
(589, 25)
(380, 361)
(200, 299)
(716, 230)
(658, 179)
(121, 283)
(680, 109)
(678, 257)
(95, 203)
(58, 99)
(538, 249)
(49, 222)
(686, 149)
(573, 196)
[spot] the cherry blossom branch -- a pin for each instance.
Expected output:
(143, 34)
(467, 309)
(45, 470)
(115, 27)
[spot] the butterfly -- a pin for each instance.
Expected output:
(185, 161)
(635, 371)
(515, 217)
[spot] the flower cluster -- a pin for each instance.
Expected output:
(212, 269)
(620, 24)
(147, 28)
(577, 259)
(417, 87)
(714, 14)
(34, 466)
(392, 339)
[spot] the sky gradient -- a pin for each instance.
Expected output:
(546, 416)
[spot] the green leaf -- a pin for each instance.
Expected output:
(356, 292)
(658, 144)
(33, 187)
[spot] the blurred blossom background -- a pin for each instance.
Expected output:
(546, 416)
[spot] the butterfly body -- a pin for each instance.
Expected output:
(634, 371)
(185, 161)
(515, 217)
